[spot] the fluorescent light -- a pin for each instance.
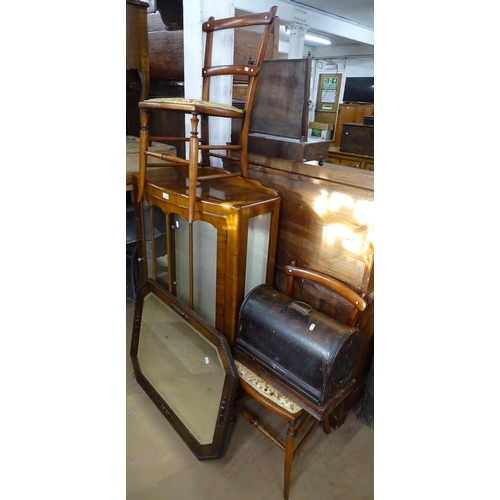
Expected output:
(317, 39)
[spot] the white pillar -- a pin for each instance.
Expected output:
(298, 30)
(296, 43)
(196, 12)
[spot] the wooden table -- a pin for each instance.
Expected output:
(338, 157)
(133, 155)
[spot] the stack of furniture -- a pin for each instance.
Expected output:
(215, 234)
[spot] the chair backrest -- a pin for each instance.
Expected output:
(358, 302)
(250, 70)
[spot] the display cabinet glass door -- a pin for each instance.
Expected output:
(183, 259)
(199, 258)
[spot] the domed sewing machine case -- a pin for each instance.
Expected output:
(302, 347)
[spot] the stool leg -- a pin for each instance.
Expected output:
(326, 424)
(289, 452)
(338, 416)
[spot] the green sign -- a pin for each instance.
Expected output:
(330, 82)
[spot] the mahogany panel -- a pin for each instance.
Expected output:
(326, 219)
(166, 54)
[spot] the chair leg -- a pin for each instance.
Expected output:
(244, 155)
(289, 453)
(143, 146)
(193, 164)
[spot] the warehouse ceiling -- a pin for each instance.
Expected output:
(348, 24)
(357, 11)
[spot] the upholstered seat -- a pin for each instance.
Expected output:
(266, 389)
(190, 105)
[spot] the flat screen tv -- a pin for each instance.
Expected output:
(359, 89)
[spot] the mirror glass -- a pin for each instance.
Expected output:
(183, 366)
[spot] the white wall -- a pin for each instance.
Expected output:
(195, 13)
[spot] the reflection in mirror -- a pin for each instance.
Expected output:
(183, 367)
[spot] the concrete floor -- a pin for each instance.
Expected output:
(338, 466)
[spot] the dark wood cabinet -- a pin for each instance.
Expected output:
(137, 61)
(350, 113)
(358, 138)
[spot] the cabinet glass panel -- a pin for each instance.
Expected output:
(159, 249)
(155, 242)
(204, 270)
(257, 251)
(204, 266)
(180, 235)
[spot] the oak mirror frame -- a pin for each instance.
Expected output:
(186, 368)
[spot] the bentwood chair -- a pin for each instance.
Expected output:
(202, 109)
(282, 400)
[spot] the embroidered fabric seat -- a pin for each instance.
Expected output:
(266, 389)
(196, 104)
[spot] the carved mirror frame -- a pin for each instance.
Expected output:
(198, 351)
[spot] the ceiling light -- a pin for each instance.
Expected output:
(317, 39)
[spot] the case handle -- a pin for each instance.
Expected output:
(302, 307)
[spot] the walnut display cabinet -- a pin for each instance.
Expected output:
(213, 263)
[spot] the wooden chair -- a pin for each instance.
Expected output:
(201, 109)
(283, 400)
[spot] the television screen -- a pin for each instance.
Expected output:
(359, 89)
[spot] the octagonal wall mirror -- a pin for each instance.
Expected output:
(186, 368)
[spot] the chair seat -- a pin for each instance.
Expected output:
(185, 104)
(266, 389)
